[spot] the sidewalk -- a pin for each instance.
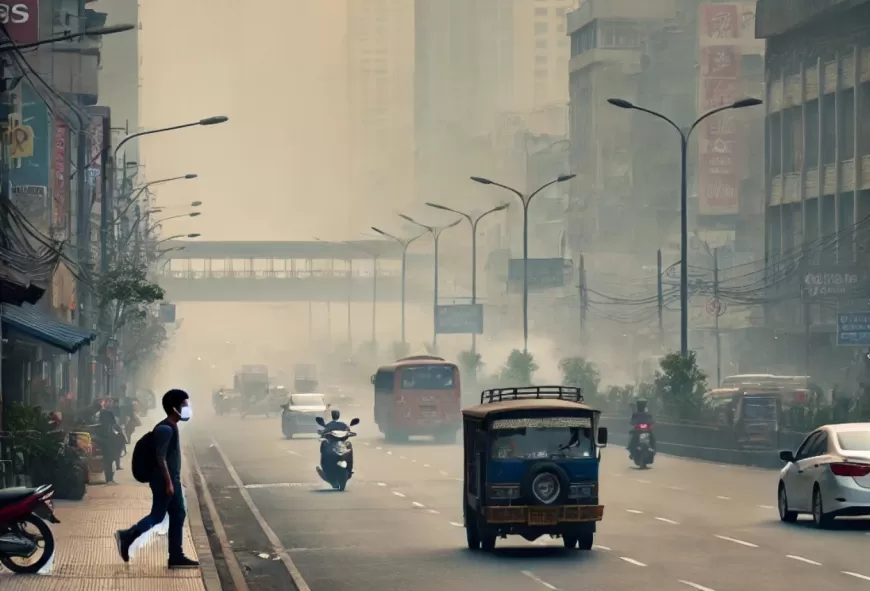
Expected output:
(86, 558)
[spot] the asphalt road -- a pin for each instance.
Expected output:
(683, 524)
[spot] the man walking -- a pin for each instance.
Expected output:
(165, 483)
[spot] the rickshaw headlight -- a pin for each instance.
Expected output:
(504, 492)
(580, 491)
(546, 487)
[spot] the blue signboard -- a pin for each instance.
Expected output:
(166, 313)
(30, 175)
(459, 319)
(853, 329)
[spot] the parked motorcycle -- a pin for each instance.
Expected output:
(21, 507)
(336, 454)
(643, 453)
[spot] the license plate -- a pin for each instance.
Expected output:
(543, 517)
(428, 411)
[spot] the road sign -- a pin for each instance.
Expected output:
(715, 307)
(459, 319)
(853, 329)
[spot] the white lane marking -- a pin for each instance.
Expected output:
(382, 484)
(736, 541)
(443, 472)
(433, 511)
(802, 559)
(766, 507)
(426, 466)
(454, 524)
(635, 511)
(695, 585)
(413, 461)
(378, 448)
(365, 443)
(290, 451)
(856, 575)
(398, 494)
(416, 504)
(532, 576)
(676, 488)
(721, 498)
(597, 547)
(389, 453)
(632, 561)
(671, 521)
(273, 538)
(642, 481)
(402, 458)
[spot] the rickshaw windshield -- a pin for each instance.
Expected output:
(528, 443)
(759, 409)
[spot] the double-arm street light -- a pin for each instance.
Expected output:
(473, 221)
(405, 244)
(684, 189)
(154, 210)
(135, 196)
(525, 199)
(435, 231)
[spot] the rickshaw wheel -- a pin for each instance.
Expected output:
(472, 536)
(585, 541)
(569, 541)
(487, 543)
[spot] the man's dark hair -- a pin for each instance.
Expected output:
(173, 400)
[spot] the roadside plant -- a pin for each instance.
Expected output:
(518, 369)
(583, 374)
(680, 386)
(469, 365)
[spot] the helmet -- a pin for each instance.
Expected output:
(641, 406)
(336, 415)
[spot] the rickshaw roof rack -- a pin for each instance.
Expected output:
(421, 358)
(568, 393)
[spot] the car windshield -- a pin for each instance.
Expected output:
(427, 377)
(854, 440)
(307, 400)
(759, 409)
(529, 443)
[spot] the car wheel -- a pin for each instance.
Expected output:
(785, 514)
(820, 518)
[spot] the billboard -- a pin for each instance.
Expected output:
(30, 148)
(96, 134)
(459, 319)
(853, 329)
(60, 184)
(723, 31)
(21, 19)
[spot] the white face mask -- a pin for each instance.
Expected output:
(185, 413)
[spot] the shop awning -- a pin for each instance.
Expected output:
(16, 288)
(46, 329)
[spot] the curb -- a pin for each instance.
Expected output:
(208, 567)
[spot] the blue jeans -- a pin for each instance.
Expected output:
(162, 504)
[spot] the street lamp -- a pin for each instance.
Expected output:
(436, 234)
(143, 188)
(473, 221)
(525, 199)
(405, 244)
(176, 237)
(684, 189)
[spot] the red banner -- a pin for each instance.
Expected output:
(60, 180)
(21, 19)
(719, 21)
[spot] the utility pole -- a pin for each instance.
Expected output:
(661, 299)
(84, 298)
(310, 323)
(582, 287)
(717, 308)
(349, 300)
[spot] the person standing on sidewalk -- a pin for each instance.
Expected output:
(165, 483)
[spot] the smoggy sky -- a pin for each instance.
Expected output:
(275, 68)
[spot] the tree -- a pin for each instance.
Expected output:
(123, 294)
(680, 386)
(469, 365)
(518, 369)
(143, 339)
(580, 373)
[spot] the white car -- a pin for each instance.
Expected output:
(300, 412)
(828, 476)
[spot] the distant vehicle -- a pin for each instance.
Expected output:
(753, 413)
(532, 459)
(418, 395)
(305, 378)
(300, 412)
(828, 476)
(796, 390)
(252, 383)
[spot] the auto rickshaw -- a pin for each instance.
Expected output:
(225, 401)
(531, 459)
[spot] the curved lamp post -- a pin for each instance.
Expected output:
(135, 196)
(405, 244)
(684, 235)
(525, 199)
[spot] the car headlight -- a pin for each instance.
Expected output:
(504, 492)
(546, 487)
(581, 491)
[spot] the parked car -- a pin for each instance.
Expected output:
(299, 414)
(828, 476)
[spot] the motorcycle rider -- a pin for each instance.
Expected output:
(335, 425)
(640, 416)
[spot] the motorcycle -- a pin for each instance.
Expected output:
(643, 453)
(20, 507)
(334, 460)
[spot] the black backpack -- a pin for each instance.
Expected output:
(144, 462)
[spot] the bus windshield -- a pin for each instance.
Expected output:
(427, 377)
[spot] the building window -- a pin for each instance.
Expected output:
(619, 36)
(541, 28)
(539, 73)
(541, 44)
(560, 12)
(812, 155)
(540, 60)
(540, 12)
(847, 124)
(829, 122)
(583, 39)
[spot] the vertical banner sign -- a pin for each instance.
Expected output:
(21, 19)
(720, 144)
(95, 169)
(60, 186)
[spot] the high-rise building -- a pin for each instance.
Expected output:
(380, 46)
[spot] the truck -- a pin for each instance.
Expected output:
(305, 378)
(252, 382)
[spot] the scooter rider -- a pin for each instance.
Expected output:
(335, 425)
(641, 416)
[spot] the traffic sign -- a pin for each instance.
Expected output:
(853, 329)
(459, 319)
(715, 307)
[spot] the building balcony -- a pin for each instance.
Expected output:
(785, 191)
(629, 58)
(619, 9)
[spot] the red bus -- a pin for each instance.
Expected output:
(418, 395)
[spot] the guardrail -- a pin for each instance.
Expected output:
(704, 442)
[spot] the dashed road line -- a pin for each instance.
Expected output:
(695, 586)
(389, 453)
(632, 561)
(382, 484)
(398, 494)
(736, 541)
(666, 520)
(642, 481)
(426, 466)
(856, 575)
(676, 488)
(599, 547)
(766, 507)
(419, 505)
(402, 458)
(634, 511)
(379, 447)
(454, 524)
(721, 498)
(802, 559)
(538, 580)
(294, 453)
(443, 472)
(433, 511)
